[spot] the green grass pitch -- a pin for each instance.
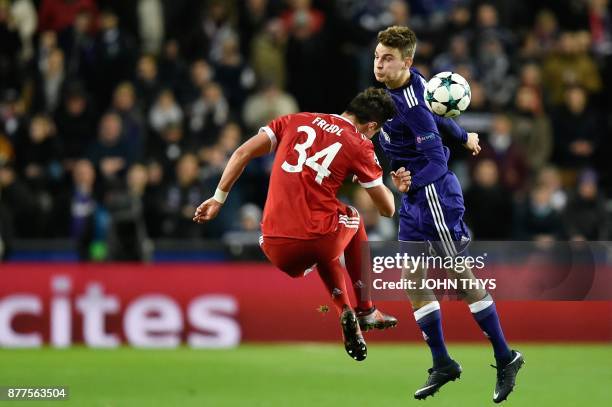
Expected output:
(304, 375)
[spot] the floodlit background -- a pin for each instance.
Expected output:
(117, 118)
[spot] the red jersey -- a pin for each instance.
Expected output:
(315, 153)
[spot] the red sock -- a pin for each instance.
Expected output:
(355, 259)
(332, 274)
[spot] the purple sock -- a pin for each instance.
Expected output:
(429, 320)
(485, 314)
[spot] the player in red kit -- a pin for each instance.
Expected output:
(304, 224)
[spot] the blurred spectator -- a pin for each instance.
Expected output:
(459, 23)
(542, 39)
(600, 21)
(268, 53)
(169, 146)
(172, 68)
(586, 217)
(488, 202)
(488, 28)
(252, 19)
(233, 74)
(502, 149)
(78, 43)
(200, 75)
(305, 53)
(49, 86)
(110, 153)
(20, 209)
(213, 25)
(181, 199)
(151, 25)
(531, 128)
(127, 235)
(208, 113)
(458, 53)
(243, 241)
(25, 18)
(494, 71)
(530, 76)
(434, 12)
(537, 219)
(147, 81)
(303, 17)
(270, 102)
(83, 207)
(7, 153)
(576, 130)
(230, 138)
(115, 56)
(165, 112)
(57, 15)
(47, 42)
(153, 198)
(12, 118)
(38, 159)
(10, 48)
(75, 121)
(570, 65)
(132, 120)
(214, 159)
(550, 178)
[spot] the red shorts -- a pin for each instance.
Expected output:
(297, 256)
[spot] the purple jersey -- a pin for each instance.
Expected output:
(411, 139)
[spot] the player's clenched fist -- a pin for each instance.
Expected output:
(402, 179)
(207, 210)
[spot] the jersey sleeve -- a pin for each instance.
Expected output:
(366, 166)
(275, 130)
(449, 126)
(427, 140)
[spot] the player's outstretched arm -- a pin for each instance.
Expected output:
(254, 147)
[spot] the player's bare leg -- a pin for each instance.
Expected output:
(429, 319)
(368, 315)
(482, 306)
(332, 274)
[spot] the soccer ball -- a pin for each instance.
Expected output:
(447, 94)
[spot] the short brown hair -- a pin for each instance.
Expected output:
(402, 38)
(372, 105)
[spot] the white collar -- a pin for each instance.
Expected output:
(345, 119)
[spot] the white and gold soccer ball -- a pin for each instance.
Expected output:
(448, 94)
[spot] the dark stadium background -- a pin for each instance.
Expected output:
(117, 118)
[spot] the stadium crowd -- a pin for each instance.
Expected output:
(117, 117)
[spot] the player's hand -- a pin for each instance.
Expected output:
(207, 210)
(472, 143)
(402, 179)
